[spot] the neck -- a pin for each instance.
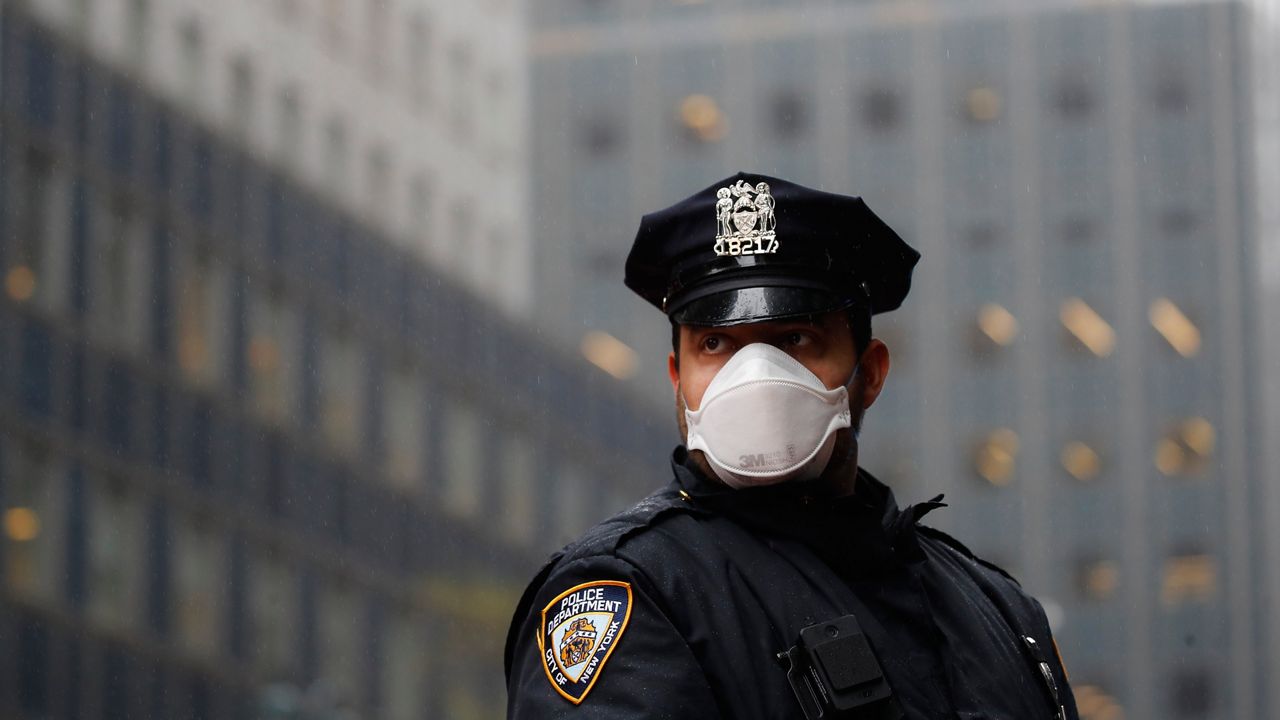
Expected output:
(841, 474)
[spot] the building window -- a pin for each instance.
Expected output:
(35, 378)
(1074, 99)
(200, 582)
(881, 108)
(242, 97)
(996, 455)
(997, 327)
(1095, 703)
(272, 351)
(1186, 447)
(788, 114)
(610, 354)
(159, 568)
(340, 649)
(982, 104)
(490, 261)
(983, 234)
(376, 17)
(41, 105)
(35, 517)
(342, 390)
(601, 136)
(32, 681)
(202, 299)
(406, 686)
(1087, 327)
(1189, 577)
(701, 119)
(1170, 93)
(1080, 461)
(378, 200)
(334, 23)
(420, 211)
(335, 155)
(41, 199)
(517, 478)
(82, 17)
(1175, 327)
(1078, 229)
(117, 547)
(405, 424)
(118, 400)
(1177, 221)
(460, 236)
(418, 61)
(289, 130)
(493, 125)
(463, 490)
(273, 607)
(289, 11)
(138, 32)
(462, 80)
(1097, 578)
(1191, 693)
(119, 274)
(120, 126)
(191, 63)
(569, 514)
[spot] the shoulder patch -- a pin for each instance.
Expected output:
(580, 628)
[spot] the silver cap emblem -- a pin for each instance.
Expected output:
(744, 220)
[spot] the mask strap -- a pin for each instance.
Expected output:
(854, 375)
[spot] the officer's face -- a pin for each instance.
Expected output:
(824, 345)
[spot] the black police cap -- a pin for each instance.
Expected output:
(752, 248)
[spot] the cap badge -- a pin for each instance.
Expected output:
(744, 220)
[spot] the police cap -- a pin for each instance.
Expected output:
(751, 248)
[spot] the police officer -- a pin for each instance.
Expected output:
(772, 577)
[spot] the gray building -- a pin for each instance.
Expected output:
(1078, 363)
(256, 460)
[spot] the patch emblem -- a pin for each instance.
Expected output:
(580, 629)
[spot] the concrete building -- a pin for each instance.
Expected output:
(410, 114)
(1077, 367)
(256, 458)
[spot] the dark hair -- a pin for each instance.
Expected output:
(858, 317)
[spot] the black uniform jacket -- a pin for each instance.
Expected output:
(699, 587)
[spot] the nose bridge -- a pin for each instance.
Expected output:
(751, 333)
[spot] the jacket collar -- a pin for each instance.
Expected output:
(863, 533)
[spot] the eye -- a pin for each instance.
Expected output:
(796, 338)
(713, 344)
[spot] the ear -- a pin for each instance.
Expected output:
(673, 371)
(873, 366)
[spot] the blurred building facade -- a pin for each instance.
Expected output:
(1078, 364)
(410, 114)
(1266, 45)
(255, 455)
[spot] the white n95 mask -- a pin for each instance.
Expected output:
(766, 419)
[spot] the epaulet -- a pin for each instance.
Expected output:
(605, 537)
(602, 539)
(961, 548)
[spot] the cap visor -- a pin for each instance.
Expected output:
(756, 304)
